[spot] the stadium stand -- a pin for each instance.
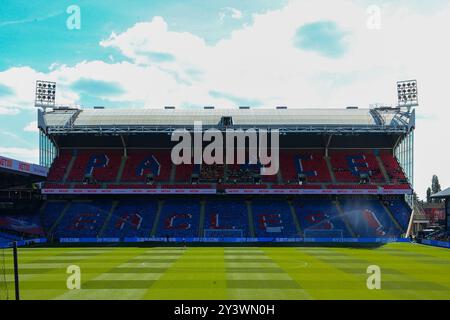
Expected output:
(149, 167)
(226, 218)
(59, 166)
(338, 176)
(400, 210)
(83, 219)
(368, 218)
(131, 218)
(179, 218)
(101, 165)
(273, 218)
(321, 218)
(310, 164)
(143, 163)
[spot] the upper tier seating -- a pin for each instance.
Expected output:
(59, 166)
(348, 165)
(211, 173)
(141, 163)
(154, 167)
(393, 168)
(102, 165)
(300, 162)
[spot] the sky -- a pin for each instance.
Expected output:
(263, 53)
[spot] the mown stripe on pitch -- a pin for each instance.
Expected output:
(241, 253)
(266, 284)
(265, 260)
(87, 254)
(152, 260)
(254, 270)
(363, 271)
(34, 270)
(118, 284)
(161, 254)
(340, 260)
(137, 270)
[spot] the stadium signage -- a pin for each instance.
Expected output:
(25, 167)
(228, 190)
(213, 152)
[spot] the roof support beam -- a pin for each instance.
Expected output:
(328, 144)
(124, 144)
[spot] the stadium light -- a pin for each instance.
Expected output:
(407, 93)
(45, 94)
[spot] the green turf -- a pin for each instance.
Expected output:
(407, 272)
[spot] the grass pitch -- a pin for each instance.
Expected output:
(407, 272)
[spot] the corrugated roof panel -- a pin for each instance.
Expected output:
(212, 117)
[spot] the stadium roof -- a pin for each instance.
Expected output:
(15, 172)
(443, 194)
(70, 120)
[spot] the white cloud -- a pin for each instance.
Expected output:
(232, 12)
(260, 63)
(24, 154)
(31, 127)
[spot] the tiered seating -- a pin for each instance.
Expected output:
(273, 218)
(179, 218)
(24, 224)
(368, 218)
(152, 169)
(393, 168)
(184, 172)
(131, 218)
(102, 165)
(141, 163)
(400, 210)
(52, 212)
(311, 164)
(348, 165)
(222, 216)
(320, 217)
(83, 219)
(59, 166)
(212, 173)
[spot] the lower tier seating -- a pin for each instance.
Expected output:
(219, 217)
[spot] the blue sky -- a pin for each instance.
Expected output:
(191, 53)
(33, 33)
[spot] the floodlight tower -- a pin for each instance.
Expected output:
(44, 98)
(407, 93)
(45, 94)
(408, 97)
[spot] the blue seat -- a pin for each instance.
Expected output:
(179, 218)
(226, 215)
(273, 218)
(320, 216)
